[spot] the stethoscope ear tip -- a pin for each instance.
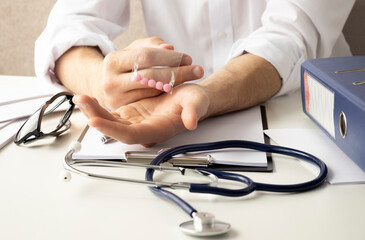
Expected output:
(65, 176)
(204, 224)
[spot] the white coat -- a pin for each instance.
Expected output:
(284, 32)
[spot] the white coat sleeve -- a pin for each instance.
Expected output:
(79, 23)
(293, 31)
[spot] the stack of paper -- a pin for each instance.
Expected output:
(19, 98)
(242, 125)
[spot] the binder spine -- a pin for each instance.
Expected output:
(319, 102)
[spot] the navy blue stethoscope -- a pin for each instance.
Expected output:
(203, 224)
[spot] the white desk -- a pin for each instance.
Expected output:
(35, 204)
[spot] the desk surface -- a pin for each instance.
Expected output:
(36, 204)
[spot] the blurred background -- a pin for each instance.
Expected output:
(22, 21)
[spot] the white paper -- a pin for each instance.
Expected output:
(8, 131)
(20, 109)
(341, 169)
(21, 96)
(16, 88)
(242, 125)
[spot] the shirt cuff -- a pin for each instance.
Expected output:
(49, 49)
(282, 53)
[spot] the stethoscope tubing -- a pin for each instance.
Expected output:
(251, 185)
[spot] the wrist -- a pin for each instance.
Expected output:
(218, 92)
(243, 82)
(79, 70)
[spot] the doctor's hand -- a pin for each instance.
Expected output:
(149, 121)
(84, 70)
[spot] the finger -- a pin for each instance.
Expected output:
(124, 60)
(110, 128)
(91, 108)
(148, 145)
(164, 75)
(150, 57)
(155, 40)
(166, 46)
(149, 42)
(141, 133)
(152, 42)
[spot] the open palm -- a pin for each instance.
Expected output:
(151, 120)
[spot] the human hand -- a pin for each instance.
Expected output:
(85, 70)
(149, 121)
(117, 89)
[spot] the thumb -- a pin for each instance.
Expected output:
(195, 104)
(189, 117)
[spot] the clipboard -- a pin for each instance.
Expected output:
(227, 127)
(270, 163)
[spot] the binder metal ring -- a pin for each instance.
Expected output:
(343, 125)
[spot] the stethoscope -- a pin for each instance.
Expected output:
(203, 224)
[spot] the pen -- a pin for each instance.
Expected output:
(107, 139)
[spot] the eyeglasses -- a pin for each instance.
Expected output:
(44, 123)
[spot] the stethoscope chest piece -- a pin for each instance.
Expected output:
(204, 224)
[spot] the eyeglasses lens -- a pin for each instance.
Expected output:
(55, 115)
(29, 126)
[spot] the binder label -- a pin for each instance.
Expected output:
(319, 103)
